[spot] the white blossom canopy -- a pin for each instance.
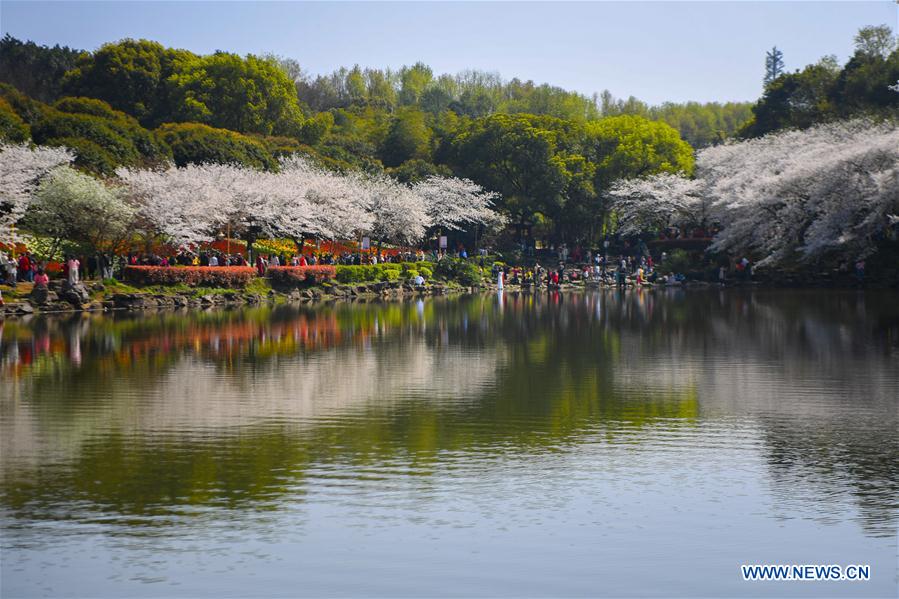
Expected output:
(191, 204)
(788, 196)
(453, 203)
(657, 202)
(21, 169)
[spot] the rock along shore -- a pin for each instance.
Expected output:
(60, 297)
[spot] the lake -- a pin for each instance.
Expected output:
(579, 444)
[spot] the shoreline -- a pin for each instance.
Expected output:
(130, 299)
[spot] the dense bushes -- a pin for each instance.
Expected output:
(209, 276)
(362, 273)
(678, 261)
(102, 138)
(387, 271)
(289, 276)
(196, 143)
(459, 270)
(12, 127)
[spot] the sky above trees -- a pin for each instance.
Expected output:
(706, 51)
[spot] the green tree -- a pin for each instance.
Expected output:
(197, 143)
(132, 76)
(249, 95)
(631, 146)
(514, 155)
(72, 206)
(408, 138)
(875, 41)
(35, 70)
(415, 80)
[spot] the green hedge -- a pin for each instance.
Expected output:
(457, 269)
(387, 271)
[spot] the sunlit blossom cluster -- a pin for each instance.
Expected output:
(825, 191)
(191, 204)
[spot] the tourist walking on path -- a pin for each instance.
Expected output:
(72, 266)
(12, 271)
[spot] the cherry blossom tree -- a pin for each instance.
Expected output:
(657, 202)
(335, 206)
(192, 204)
(69, 205)
(21, 169)
(399, 213)
(805, 195)
(824, 192)
(183, 205)
(452, 203)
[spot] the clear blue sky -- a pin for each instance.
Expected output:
(656, 51)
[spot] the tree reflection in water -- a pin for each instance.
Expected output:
(150, 414)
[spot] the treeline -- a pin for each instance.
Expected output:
(551, 153)
(825, 91)
(138, 104)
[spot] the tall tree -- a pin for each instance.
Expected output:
(35, 70)
(774, 65)
(875, 41)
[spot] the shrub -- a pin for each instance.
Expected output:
(55, 125)
(390, 274)
(29, 110)
(12, 127)
(411, 273)
(91, 106)
(459, 270)
(87, 154)
(426, 272)
(678, 261)
(196, 143)
(291, 276)
(208, 276)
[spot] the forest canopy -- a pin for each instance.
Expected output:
(551, 154)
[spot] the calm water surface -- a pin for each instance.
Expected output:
(565, 445)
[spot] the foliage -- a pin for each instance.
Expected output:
(194, 276)
(69, 205)
(631, 146)
(12, 128)
(131, 75)
(195, 143)
(457, 269)
(408, 138)
(36, 70)
(824, 91)
(514, 155)
(357, 273)
(678, 261)
(250, 95)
